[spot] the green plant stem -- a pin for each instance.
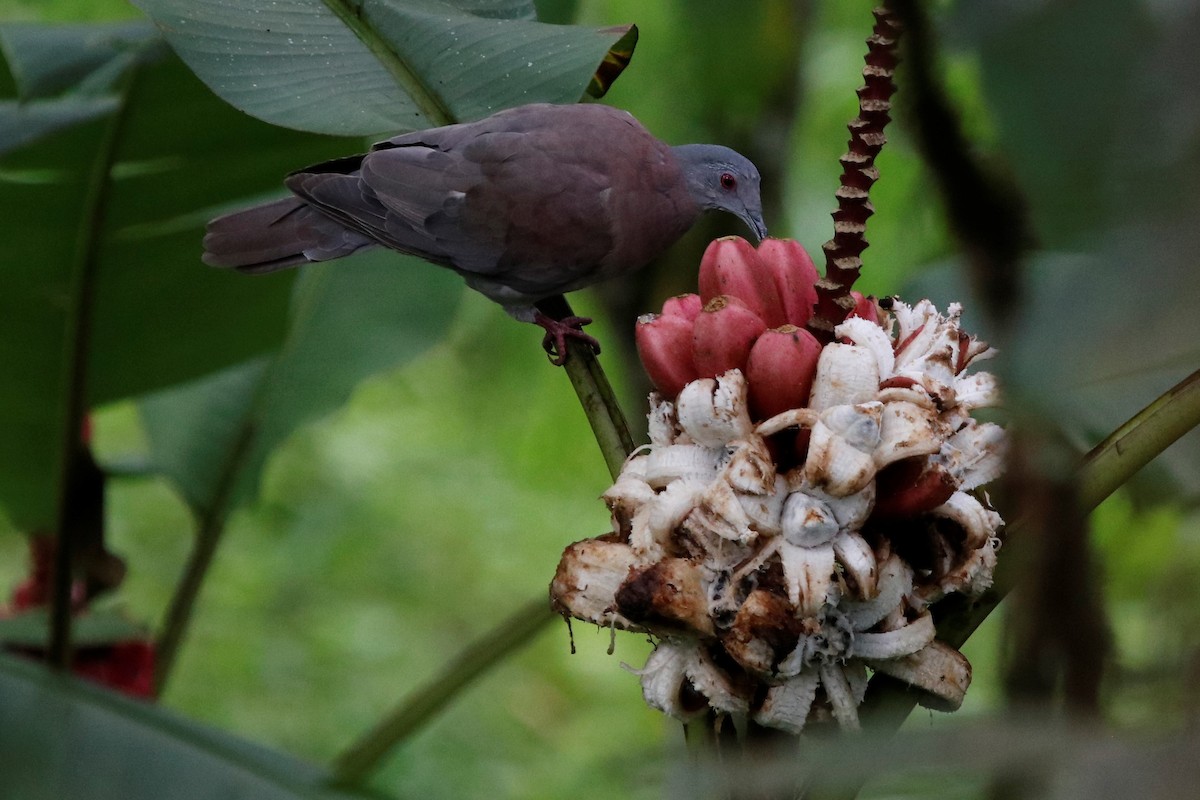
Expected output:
(77, 341)
(208, 536)
(600, 405)
(595, 395)
(1131, 446)
(365, 755)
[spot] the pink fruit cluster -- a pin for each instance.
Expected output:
(750, 315)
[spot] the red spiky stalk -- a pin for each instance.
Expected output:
(843, 252)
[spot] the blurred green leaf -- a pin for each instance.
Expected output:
(86, 59)
(1060, 114)
(212, 437)
(1107, 153)
(22, 123)
(31, 628)
(105, 196)
(557, 12)
(61, 739)
(82, 62)
(380, 65)
(374, 311)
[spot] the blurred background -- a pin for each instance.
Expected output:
(390, 531)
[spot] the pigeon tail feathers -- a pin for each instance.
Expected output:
(277, 235)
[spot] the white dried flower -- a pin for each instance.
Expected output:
(671, 665)
(663, 426)
(846, 374)
(841, 452)
(713, 412)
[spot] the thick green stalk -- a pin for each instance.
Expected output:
(600, 405)
(1131, 446)
(209, 529)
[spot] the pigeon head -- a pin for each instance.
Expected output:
(723, 180)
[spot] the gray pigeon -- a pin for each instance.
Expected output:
(525, 204)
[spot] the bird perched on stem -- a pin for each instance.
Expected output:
(526, 204)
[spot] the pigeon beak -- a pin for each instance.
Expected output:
(755, 222)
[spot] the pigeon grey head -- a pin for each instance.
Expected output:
(723, 180)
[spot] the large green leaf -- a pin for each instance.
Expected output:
(62, 739)
(103, 196)
(366, 66)
(349, 320)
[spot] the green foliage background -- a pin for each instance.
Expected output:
(390, 532)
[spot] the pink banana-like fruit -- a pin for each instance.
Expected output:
(731, 266)
(865, 306)
(723, 335)
(794, 275)
(687, 306)
(664, 344)
(780, 370)
(911, 487)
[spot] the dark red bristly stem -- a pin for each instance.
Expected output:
(843, 253)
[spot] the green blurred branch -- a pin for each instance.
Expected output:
(208, 536)
(600, 405)
(353, 765)
(986, 211)
(77, 340)
(604, 414)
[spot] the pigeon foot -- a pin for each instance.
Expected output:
(557, 333)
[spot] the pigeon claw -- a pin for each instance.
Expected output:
(557, 333)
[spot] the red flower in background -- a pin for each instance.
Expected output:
(126, 666)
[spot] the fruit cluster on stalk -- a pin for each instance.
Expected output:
(799, 506)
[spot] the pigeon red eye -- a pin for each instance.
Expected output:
(728, 181)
